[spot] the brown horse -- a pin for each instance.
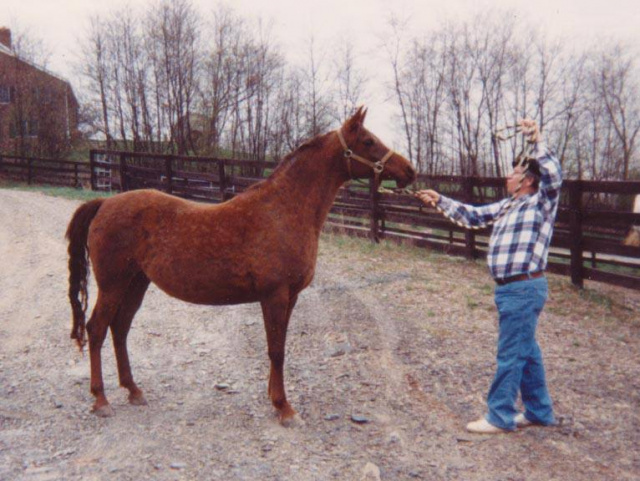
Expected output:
(261, 246)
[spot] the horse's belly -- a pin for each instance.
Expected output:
(203, 292)
(221, 273)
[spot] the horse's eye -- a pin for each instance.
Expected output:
(368, 142)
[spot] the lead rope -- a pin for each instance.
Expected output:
(521, 161)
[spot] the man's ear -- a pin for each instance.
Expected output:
(527, 181)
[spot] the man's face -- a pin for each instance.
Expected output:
(513, 180)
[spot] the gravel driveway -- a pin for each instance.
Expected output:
(390, 353)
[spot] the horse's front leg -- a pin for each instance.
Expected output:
(276, 312)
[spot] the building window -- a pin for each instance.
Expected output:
(26, 128)
(42, 94)
(5, 94)
(32, 128)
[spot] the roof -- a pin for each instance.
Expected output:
(8, 51)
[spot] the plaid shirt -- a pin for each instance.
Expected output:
(520, 238)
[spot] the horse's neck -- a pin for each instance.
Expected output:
(311, 184)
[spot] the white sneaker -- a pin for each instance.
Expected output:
(522, 421)
(482, 426)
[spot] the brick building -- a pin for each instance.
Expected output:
(38, 110)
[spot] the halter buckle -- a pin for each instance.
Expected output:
(377, 167)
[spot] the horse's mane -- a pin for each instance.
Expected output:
(288, 160)
(316, 142)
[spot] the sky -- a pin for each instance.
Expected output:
(61, 23)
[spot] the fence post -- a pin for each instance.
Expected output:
(29, 171)
(168, 172)
(469, 235)
(575, 232)
(375, 214)
(76, 181)
(222, 180)
(124, 182)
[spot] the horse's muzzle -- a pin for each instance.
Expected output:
(408, 177)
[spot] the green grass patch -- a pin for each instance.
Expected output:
(486, 289)
(597, 298)
(472, 302)
(65, 192)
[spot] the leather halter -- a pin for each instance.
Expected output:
(377, 167)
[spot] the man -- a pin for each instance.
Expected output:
(517, 257)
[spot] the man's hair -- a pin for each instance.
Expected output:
(532, 169)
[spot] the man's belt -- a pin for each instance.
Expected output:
(519, 277)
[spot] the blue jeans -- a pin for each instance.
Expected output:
(519, 357)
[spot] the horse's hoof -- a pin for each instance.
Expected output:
(105, 411)
(291, 421)
(138, 400)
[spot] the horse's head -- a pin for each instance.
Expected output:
(366, 156)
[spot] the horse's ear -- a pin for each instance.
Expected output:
(364, 113)
(355, 122)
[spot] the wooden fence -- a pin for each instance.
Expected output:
(34, 170)
(593, 218)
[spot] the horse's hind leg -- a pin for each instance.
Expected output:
(119, 331)
(103, 313)
(276, 312)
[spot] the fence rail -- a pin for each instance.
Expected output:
(593, 217)
(36, 170)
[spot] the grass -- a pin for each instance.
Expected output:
(597, 303)
(597, 298)
(64, 192)
(472, 302)
(382, 248)
(601, 264)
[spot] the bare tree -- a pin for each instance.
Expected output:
(495, 56)
(264, 63)
(290, 124)
(571, 113)
(394, 49)
(620, 93)
(220, 73)
(173, 29)
(172, 82)
(316, 90)
(349, 81)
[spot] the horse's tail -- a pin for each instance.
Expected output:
(77, 233)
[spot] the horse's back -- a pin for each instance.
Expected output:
(135, 201)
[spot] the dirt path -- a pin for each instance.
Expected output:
(398, 339)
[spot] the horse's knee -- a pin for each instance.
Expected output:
(96, 333)
(90, 327)
(93, 330)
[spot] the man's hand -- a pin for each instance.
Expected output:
(530, 130)
(428, 196)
